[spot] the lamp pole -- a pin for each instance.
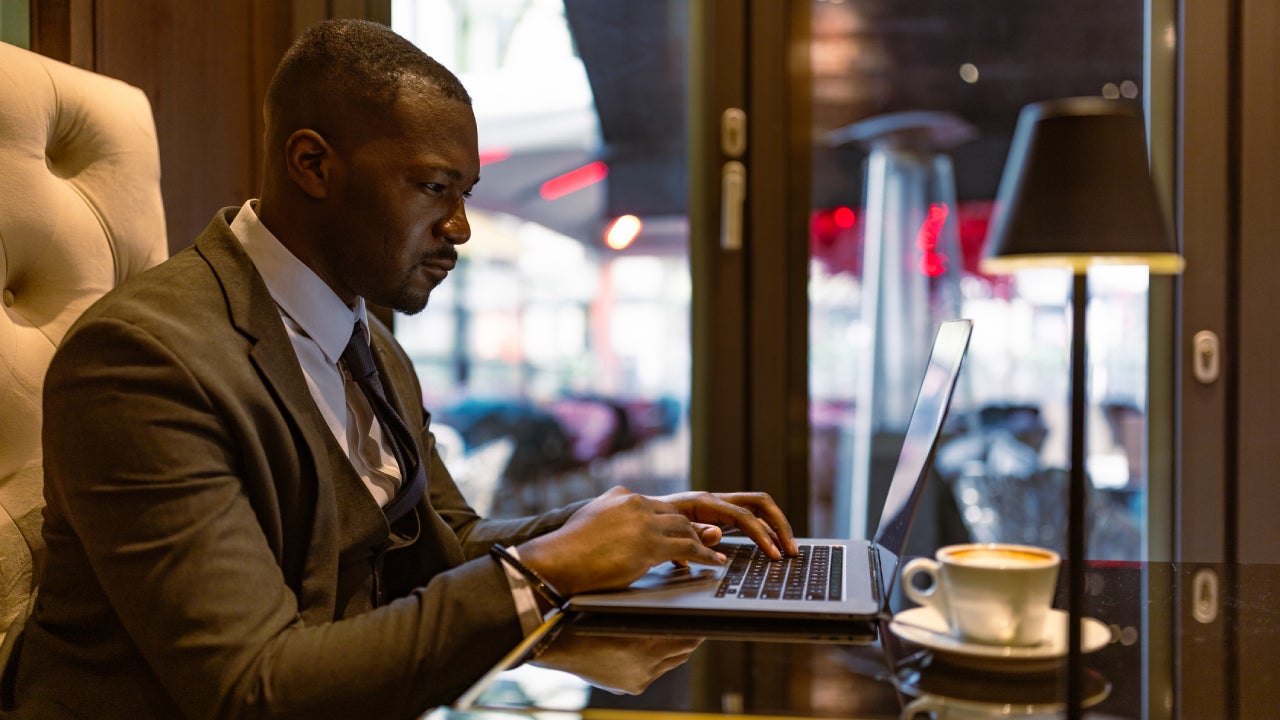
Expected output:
(1077, 497)
(1077, 190)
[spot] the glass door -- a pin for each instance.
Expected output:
(913, 110)
(574, 333)
(914, 105)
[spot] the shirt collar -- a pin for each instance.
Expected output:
(299, 292)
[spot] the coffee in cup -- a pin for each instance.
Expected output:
(989, 593)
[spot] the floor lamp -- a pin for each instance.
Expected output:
(1077, 192)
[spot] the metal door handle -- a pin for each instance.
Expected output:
(1206, 359)
(1204, 596)
(733, 196)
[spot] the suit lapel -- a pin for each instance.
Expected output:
(360, 522)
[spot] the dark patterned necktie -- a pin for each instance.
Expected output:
(359, 361)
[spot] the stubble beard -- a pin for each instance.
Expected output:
(407, 301)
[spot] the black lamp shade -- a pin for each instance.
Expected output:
(1077, 192)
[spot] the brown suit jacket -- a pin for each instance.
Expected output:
(212, 552)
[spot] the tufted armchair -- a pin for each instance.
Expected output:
(80, 210)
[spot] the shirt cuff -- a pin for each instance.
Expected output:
(522, 593)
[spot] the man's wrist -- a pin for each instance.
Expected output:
(542, 587)
(534, 556)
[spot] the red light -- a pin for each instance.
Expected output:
(834, 239)
(574, 180)
(489, 156)
(932, 262)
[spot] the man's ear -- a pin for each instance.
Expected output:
(310, 160)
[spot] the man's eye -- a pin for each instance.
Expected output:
(466, 195)
(434, 188)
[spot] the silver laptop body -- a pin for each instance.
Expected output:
(864, 571)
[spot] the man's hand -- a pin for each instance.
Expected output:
(614, 540)
(755, 514)
(620, 665)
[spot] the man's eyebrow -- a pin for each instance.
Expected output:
(447, 170)
(452, 172)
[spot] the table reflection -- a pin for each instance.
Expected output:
(588, 665)
(617, 663)
(1179, 641)
(948, 693)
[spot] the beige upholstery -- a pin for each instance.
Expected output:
(80, 210)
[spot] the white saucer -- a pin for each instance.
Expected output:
(924, 626)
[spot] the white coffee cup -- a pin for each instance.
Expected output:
(989, 593)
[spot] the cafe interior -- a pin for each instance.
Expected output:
(712, 247)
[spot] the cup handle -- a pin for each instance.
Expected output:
(934, 595)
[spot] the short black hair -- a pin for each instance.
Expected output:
(354, 61)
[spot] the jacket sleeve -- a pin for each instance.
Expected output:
(475, 533)
(149, 481)
(478, 534)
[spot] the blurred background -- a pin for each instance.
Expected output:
(558, 354)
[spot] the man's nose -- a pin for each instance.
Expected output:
(455, 227)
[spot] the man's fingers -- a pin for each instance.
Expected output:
(751, 526)
(685, 541)
(695, 551)
(762, 506)
(663, 507)
(717, 509)
(755, 514)
(762, 534)
(709, 534)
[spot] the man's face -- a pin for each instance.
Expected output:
(397, 208)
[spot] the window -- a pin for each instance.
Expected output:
(564, 331)
(914, 105)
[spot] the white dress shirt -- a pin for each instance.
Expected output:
(319, 324)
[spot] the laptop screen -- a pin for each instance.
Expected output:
(916, 458)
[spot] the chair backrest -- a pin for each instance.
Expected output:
(80, 210)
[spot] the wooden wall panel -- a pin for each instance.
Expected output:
(205, 67)
(274, 28)
(200, 82)
(1206, 429)
(63, 30)
(1258, 541)
(1259, 534)
(718, 403)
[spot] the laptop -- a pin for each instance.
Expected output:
(832, 579)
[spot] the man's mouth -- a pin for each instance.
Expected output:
(440, 263)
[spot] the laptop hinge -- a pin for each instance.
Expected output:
(873, 557)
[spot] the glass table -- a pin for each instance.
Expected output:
(1163, 640)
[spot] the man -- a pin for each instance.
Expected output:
(220, 484)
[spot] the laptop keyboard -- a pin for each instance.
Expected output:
(815, 574)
